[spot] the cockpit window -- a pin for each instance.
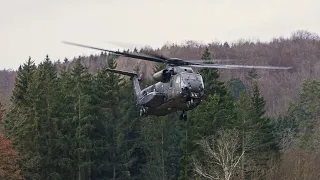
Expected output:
(191, 76)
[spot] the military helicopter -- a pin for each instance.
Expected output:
(179, 87)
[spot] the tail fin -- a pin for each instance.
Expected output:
(133, 76)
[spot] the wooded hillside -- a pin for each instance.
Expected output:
(300, 51)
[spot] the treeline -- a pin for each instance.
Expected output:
(72, 124)
(300, 51)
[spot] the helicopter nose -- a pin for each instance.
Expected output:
(187, 93)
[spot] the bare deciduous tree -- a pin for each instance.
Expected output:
(222, 155)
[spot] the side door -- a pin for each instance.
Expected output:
(174, 89)
(171, 88)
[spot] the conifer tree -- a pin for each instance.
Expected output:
(266, 126)
(257, 132)
(43, 95)
(305, 114)
(131, 148)
(215, 111)
(211, 77)
(114, 114)
(19, 120)
(247, 129)
(82, 95)
(66, 125)
(24, 77)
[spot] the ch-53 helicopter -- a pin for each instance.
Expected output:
(179, 87)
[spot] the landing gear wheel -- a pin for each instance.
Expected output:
(143, 111)
(183, 116)
(190, 104)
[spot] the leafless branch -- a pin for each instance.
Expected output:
(223, 151)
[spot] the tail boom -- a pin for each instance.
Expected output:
(133, 76)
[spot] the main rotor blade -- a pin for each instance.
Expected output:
(224, 66)
(208, 61)
(130, 55)
(152, 54)
(127, 45)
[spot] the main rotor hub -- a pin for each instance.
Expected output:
(177, 62)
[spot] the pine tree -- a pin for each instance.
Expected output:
(66, 125)
(215, 112)
(131, 148)
(19, 120)
(107, 135)
(114, 113)
(43, 98)
(257, 133)
(266, 126)
(83, 117)
(247, 129)
(206, 55)
(24, 77)
(211, 77)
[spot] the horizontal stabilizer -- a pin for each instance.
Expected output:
(122, 72)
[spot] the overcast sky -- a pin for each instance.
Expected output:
(37, 27)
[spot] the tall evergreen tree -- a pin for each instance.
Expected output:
(215, 112)
(23, 78)
(131, 147)
(43, 95)
(18, 120)
(211, 77)
(257, 133)
(266, 129)
(83, 117)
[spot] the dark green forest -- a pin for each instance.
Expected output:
(72, 123)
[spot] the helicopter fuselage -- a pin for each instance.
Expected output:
(182, 91)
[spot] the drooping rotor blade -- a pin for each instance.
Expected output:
(130, 55)
(126, 45)
(224, 66)
(206, 61)
(122, 72)
(130, 45)
(156, 55)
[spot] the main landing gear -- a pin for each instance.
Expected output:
(143, 111)
(183, 116)
(191, 104)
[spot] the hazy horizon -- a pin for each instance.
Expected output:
(37, 28)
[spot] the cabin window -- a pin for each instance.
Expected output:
(178, 79)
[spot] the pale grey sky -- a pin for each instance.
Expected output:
(37, 27)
